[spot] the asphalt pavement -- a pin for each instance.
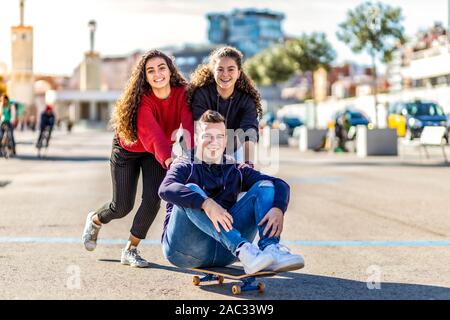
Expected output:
(372, 228)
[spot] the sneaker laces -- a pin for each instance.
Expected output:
(134, 253)
(94, 230)
(282, 248)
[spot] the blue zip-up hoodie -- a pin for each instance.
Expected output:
(221, 182)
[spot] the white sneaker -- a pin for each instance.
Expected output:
(253, 259)
(90, 233)
(132, 258)
(283, 259)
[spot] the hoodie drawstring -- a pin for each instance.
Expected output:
(228, 108)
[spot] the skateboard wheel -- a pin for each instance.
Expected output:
(261, 287)
(220, 279)
(236, 289)
(196, 280)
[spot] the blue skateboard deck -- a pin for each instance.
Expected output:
(234, 273)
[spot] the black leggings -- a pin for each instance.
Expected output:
(125, 169)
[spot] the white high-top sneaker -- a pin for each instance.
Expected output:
(253, 259)
(284, 260)
(90, 233)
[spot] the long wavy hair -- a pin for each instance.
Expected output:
(204, 75)
(123, 119)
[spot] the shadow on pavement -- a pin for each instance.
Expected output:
(369, 163)
(62, 158)
(28, 143)
(156, 266)
(109, 260)
(4, 183)
(297, 286)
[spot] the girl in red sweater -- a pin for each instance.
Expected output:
(145, 119)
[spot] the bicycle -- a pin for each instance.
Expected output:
(43, 140)
(6, 149)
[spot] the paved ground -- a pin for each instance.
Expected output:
(355, 221)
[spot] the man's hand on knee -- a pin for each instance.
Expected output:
(274, 218)
(218, 215)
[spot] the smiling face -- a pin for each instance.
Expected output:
(226, 73)
(157, 73)
(210, 141)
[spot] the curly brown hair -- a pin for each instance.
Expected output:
(123, 119)
(204, 75)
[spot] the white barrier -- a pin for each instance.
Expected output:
(310, 138)
(376, 142)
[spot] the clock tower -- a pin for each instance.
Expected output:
(22, 79)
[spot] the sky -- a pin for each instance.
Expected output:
(61, 34)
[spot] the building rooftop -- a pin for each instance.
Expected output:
(250, 11)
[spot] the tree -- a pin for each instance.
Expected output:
(279, 63)
(254, 67)
(309, 53)
(375, 29)
(271, 66)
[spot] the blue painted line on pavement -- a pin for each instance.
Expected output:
(315, 180)
(371, 243)
(305, 243)
(55, 240)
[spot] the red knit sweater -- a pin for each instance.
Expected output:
(157, 121)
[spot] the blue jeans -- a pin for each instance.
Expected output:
(191, 241)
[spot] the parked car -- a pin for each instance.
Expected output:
(289, 123)
(409, 118)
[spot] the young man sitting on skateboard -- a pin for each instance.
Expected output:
(206, 226)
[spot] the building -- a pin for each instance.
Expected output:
(87, 101)
(21, 80)
(422, 63)
(340, 82)
(114, 72)
(189, 57)
(88, 96)
(249, 30)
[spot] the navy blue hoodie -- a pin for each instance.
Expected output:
(239, 109)
(221, 182)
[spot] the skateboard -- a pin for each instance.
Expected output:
(219, 274)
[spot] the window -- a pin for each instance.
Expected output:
(84, 110)
(424, 109)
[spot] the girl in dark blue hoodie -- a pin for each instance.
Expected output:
(222, 86)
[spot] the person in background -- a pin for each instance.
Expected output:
(8, 118)
(47, 122)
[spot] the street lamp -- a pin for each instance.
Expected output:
(92, 27)
(22, 12)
